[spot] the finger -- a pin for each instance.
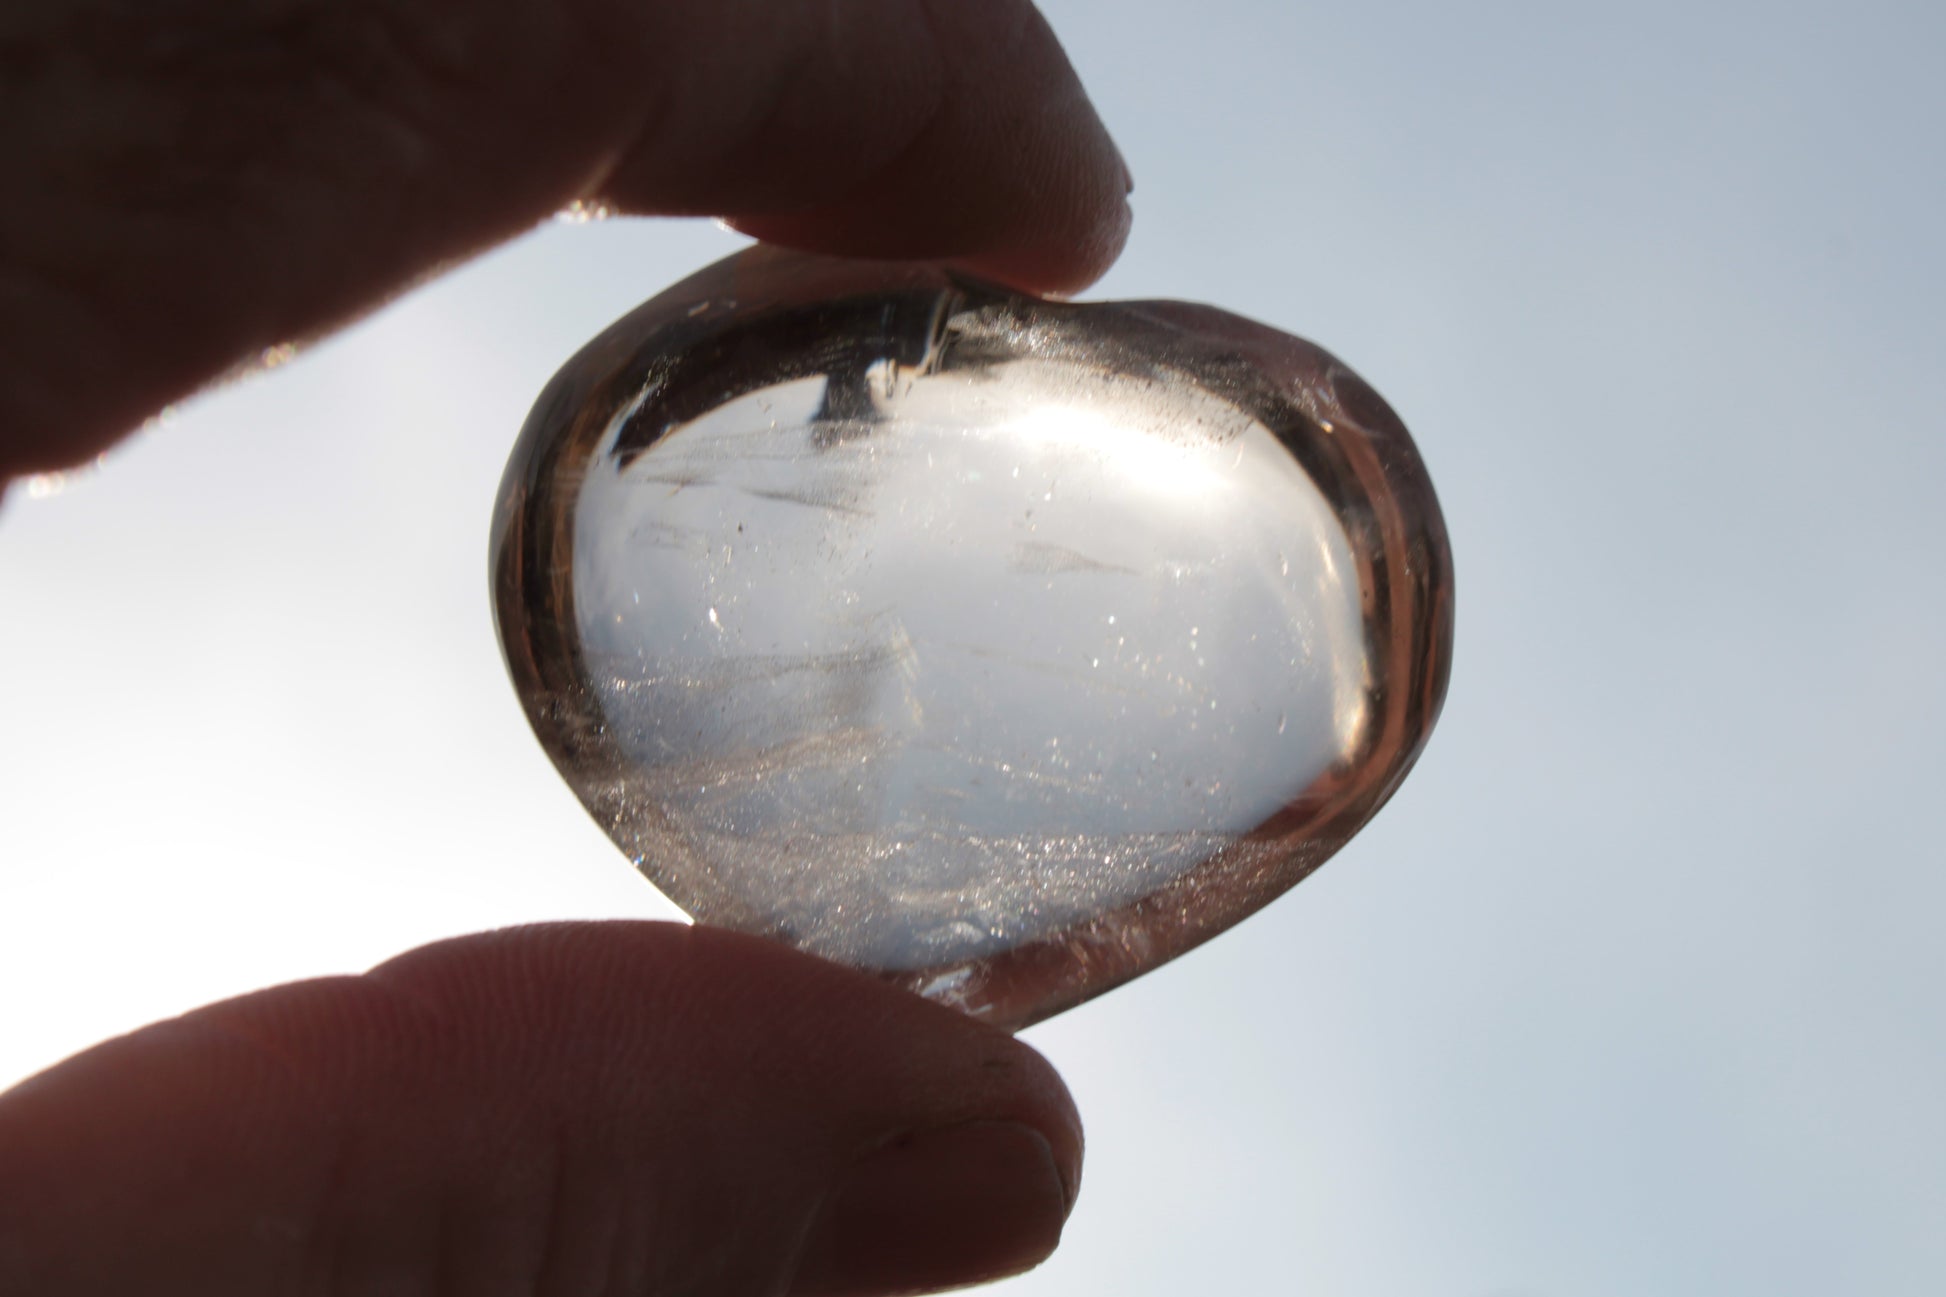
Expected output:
(192, 183)
(637, 1108)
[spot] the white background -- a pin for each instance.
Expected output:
(1638, 987)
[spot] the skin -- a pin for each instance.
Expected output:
(573, 1109)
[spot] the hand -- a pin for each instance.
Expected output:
(582, 1108)
(189, 183)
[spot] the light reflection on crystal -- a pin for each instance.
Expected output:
(1004, 647)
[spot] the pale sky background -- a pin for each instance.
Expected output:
(1639, 985)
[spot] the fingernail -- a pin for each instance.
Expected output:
(937, 1210)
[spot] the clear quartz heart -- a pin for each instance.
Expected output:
(1006, 648)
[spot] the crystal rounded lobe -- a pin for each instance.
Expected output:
(1006, 648)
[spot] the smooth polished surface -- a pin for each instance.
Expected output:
(1005, 647)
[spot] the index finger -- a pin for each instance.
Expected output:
(188, 191)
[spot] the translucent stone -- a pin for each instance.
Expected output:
(1006, 648)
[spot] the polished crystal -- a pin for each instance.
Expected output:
(1004, 647)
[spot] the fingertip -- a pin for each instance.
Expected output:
(1052, 238)
(942, 1208)
(1015, 178)
(1059, 271)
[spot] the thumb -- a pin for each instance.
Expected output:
(580, 1108)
